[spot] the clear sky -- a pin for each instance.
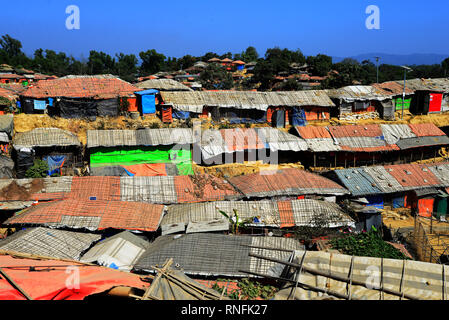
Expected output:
(176, 28)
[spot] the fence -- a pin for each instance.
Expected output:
(431, 240)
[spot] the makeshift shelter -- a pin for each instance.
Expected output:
(78, 96)
(204, 217)
(120, 251)
(286, 183)
(362, 99)
(53, 243)
(431, 95)
(23, 277)
(397, 90)
(197, 254)
(249, 106)
(313, 275)
(265, 144)
(162, 85)
(144, 152)
(91, 215)
(61, 150)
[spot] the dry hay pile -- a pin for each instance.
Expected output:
(27, 122)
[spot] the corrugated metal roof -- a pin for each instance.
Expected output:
(162, 85)
(409, 175)
(311, 132)
(435, 85)
(197, 253)
(395, 132)
(92, 215)
(95, 87)
(268, 213)
(392, 88)
(285, 182)
(45, 137)
(358, 93)
(422, 142)
(122, 250)
(143, 137)
(358, 182)
(50, 243)
(426, 130)
(196, 100)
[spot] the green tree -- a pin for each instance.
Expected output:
(208, 56)
(249, 55)
(321, 64)
(445, 66)
(152, 62)
(100, 63)
(215, 77)
(126, 66)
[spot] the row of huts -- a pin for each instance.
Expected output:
(173, 151)
(106, 95)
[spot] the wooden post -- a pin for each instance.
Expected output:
(314, 159)
(354, 160)
(431, 223)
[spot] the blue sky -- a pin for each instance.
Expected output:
(176, 28)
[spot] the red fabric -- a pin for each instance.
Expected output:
(435, 102)
(50, 283)
(425, 207)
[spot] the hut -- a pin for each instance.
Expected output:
(78, 96)
(61, 150)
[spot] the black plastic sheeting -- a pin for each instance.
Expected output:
(77, 109)
(6, 167)
(107, 108)
(24, 161)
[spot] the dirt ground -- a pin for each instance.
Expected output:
(397, 218)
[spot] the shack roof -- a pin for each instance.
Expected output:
(92, 215)
(122, 250)
(285, 182)
(268, 213)
(8, 94)
(195, 101)
(358, 93)
(197, 253)
(53, 243)
(142, 137)
(162, 85)
(52, 283)
(93, 87)
(392, 88)
(433, 85)
(217, 142)
(393, 178)
(45, 137)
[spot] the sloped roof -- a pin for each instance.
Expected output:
(122, 250)
(40, 282)
(435, 85)
(216, 142)
(162, 85)
(8, 94)
(92, 215)
(53, 243)
(143, 137)
(45, 137)
(95, 87)
(197, 254)
(392, 88)
(393, 178)
(358, 93)
(269, 213)
(195, 101)
(285, 182)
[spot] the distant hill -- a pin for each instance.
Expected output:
(397, 59)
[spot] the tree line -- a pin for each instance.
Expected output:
(275, 61)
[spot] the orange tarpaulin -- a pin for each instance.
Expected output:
(59, 280)
(147, 169)
(425, 207)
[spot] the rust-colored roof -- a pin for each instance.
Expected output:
(412, 175)
(11, 76)
(426, 130)
(93, 215)
(282, 182)
(243, 138)
(238, 62)
(8, 94)
(226, 60)
(311, 132)
(369, 130)
(198, 188)
(392, 87)
(96, 87)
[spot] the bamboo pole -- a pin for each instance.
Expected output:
(14, 284)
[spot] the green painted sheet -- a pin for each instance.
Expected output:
(398, 103)
(126, 156)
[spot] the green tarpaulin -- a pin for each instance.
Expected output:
(398, 103)
(126, 156)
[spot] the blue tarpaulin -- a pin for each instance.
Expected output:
(50, 102)
(181, 114)
(148, 104)
(54, 164)
(399, 202)
(298, 117)
(375, 201)
(40, 104)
